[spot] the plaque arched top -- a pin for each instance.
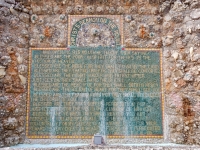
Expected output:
(114, 32)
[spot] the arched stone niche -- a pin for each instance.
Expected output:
(94, 31)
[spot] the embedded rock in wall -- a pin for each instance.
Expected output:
(10, 123)
(3, 3)
(12, 81)
(195, 14)
(2, 71)
(12, 140)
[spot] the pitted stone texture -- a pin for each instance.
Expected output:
(12, 140)
(14, 19)
(104, 7)
(48, 31)
(142, 31)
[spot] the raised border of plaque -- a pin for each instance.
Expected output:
(88, 136)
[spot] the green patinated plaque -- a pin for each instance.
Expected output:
(82, 91)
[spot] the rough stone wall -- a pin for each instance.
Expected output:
(14, 37)
(173, 25)
(181, 48)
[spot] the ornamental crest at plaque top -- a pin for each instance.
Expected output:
(94, 31)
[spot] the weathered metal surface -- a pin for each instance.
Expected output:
(82, 91)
